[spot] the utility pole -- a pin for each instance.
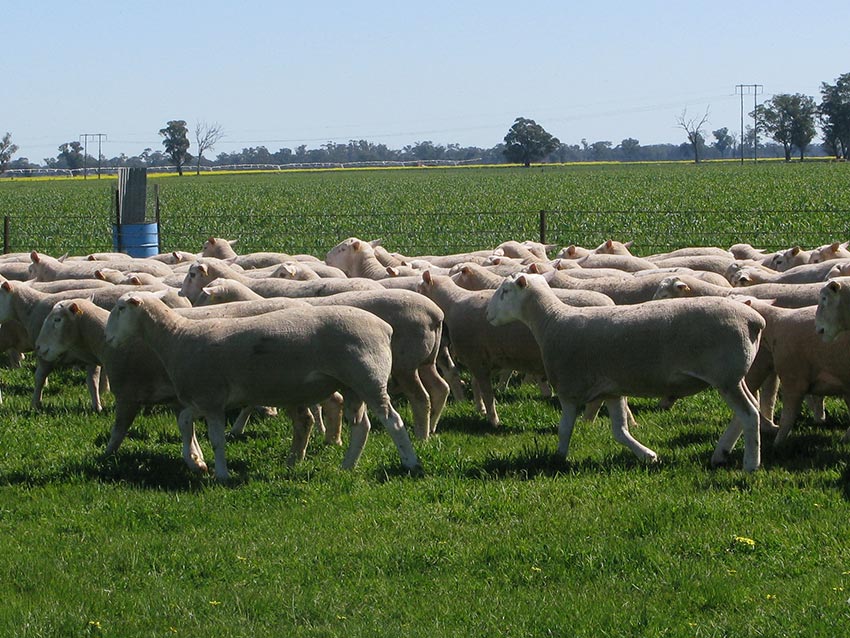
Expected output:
(755, 90)
(84, 138)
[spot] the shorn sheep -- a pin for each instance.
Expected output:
(289, 358)
(670, 348)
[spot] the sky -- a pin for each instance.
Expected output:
(281, 74)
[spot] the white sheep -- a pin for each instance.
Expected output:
(289, 358)
(833, 313)
(663, 349)
(47, 268)
(835, 250)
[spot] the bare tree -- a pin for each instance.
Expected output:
(7, 149)
(206, 137)
(693, 129)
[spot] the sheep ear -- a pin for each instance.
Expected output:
(232, 242)
(204, 269)
(392, 272)
(609, 243)
(835, 246)
(683, 287)
(75, 308)
(6, 286)
(35, 257)
(375, 242)
(355, 245)
(832, 286)
(210, 240)
(63, 257)
(98, 274)
(465, 270)
(134, 280)
(134, 301)
(522, 281)
(532, 268)
(289, 269)
(795, 251)
(499, 252)
(571, 250)
(426, 276)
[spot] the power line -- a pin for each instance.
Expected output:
(755, 90)
(84, 137)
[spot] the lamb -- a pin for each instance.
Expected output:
(289, 358)
(29, 307)
(835, 250)
(802, 361)
(833, 313)
(356, 258)
(204, 271)
(790, 258)
(628, 290)
(628, 263)
(667, 349)
(223, 249)
(46, 268)
(784, 295)
(803, 274)
(417, 325)
(304, 271)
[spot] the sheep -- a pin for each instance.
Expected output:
(666, 348)
(835, 250)
(120, 277)
(417, 327)
(304, 271)
(203, 271)
(46, 268)
(29, 307)
(691, 251)
(476, 344)
(572, 252)
(785, 295)
(803, 274)
(833, 313)
(223, 249)
(711, 263)
(290, 358)
(619, 261)
(803, 362)
(623, 290)
(356, 258)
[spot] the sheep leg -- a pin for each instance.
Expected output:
(192, 454)
(477, 401)
(451, 374)
(420, 404)
(621, 415)
(332, 409)
(241, 421)
(302, 422)
(395, 427)
(815, 404)
(318, 419)
(216, 425)
(438, 391)
(125, 414)
(792, 403)
(591, 410)
(42, 369)
(767, 393)
(93, 384)
(745, 419)
(846, 437)
(569, 412)
(360, 426)
(485, 388)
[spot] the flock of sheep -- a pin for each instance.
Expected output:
(215, 331)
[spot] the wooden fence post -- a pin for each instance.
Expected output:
(542, 226)
(6, 239)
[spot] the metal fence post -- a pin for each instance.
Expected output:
(542, 226)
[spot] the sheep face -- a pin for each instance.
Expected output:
(56, 335)
(124, 320)
(672, 288)
(7, 290)
(505, 305)
(194, 281)
(831, 315)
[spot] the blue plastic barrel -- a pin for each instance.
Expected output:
(137, 240)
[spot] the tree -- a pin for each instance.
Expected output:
(693, 128)
(527, 142)
(7, 149)
(176, 143)
(206, 137)
(789, 120)
(630, 148)
(723, 141)
(834, 114)
(71, 155)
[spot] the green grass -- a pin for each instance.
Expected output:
(499, 537)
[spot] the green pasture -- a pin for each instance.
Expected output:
(498, 537)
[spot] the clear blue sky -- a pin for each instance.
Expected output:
(288, 73)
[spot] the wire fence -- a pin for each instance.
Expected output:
(416, 233)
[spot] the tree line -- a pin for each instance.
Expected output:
(788, 121)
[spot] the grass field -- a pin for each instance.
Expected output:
(498, 538)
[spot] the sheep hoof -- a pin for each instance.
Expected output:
(720, 458)
(416, 471)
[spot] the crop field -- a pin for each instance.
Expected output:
(498, 537)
